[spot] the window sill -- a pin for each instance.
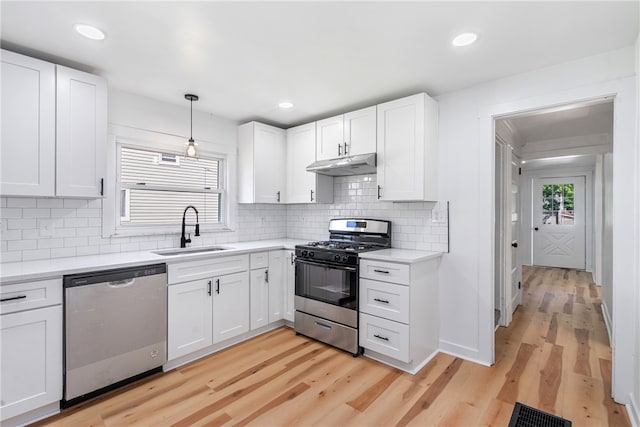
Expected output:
(157, 231)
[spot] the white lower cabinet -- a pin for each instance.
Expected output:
(267, 289)
(230, 306)
(289, 285)
(30, 352)
(190, 317)
(210, 309)
(398, 304)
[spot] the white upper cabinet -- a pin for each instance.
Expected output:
(54, 129)
(81, 133)
(27, 148)
(360, 132)
(303, 186)
(407, 152)
(347, 134)
(261, 164)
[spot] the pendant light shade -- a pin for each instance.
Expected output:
(192, 151)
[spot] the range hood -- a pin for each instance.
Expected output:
(351, 165)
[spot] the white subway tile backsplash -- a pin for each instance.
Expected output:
(20, 224)
(32, 255)
(50, 203)
(19, 202)
(77, 223)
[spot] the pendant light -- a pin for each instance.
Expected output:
(192, 151)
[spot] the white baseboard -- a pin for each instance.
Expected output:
(607, 322)
(633, 411)
(33, 416)
(463, 352)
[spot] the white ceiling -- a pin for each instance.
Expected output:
(243, 58)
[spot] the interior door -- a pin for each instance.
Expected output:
(559, 222)
(516, 264)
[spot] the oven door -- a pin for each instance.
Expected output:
(328, 283)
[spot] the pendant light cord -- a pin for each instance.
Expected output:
(191, 139)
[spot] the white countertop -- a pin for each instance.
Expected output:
(400, 255)
(57, 267)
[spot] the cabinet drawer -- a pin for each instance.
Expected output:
(25, 296)
(385, 337)
(387, 300)
(260, 260)
(201, 269)
(386, 271)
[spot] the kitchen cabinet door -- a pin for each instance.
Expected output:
(360, 132)
(407, 149)
(303, 186)
(261, 164)
(81, 133)
(259, 298)
(289, 291)
(189, 317)
(30, 360)
(28, 144)
(276, 284)
(329, 138)
(230, 306)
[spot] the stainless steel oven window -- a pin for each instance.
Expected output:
(336, 285)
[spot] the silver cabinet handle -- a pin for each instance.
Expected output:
(278, 197)
(381, 271)
(384, 301)
(266, 276)
(13, 298)
(311, 195)
(209, 288)
(380, 337)
(379, 189)
(339, 150)
(345, 148)
(217, 286)
(322, 325)
(293, 260)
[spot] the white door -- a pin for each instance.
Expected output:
(289, 291)
(269, 164)
(275, 283)
(301, 152)
(360, 132)
(559, 222)
(329, 138)
(189, 317)
(28, 144)
(81, 133)
(259, 298)
(516, 269)
(230, 306)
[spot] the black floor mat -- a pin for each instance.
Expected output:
(526, 416)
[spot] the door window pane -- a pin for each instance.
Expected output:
(557, 204)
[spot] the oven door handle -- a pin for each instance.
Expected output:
(320, 264)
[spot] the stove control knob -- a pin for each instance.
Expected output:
(311, 254)
(337, 257)
(345, 258)
(304, 254)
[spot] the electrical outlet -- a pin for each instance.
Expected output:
(47, 228)
(439, 213)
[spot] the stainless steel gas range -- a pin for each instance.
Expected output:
(326, 285)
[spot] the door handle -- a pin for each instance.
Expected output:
(293, 260)
(311, 195)
(514, 244)
(345, 148)
(217, 286)
(339, 150)
(278, 197)
(266, 276)
(379, 188)
(209, 288)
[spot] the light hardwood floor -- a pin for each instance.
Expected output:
(554, 356)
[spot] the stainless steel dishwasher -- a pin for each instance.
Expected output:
(115, 329)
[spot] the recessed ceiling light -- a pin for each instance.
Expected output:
(89, 31)
(285, 105)
(465, 39)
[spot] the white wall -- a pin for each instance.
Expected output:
(607, 236)
(467, 173)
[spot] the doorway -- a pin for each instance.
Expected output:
(559, 222)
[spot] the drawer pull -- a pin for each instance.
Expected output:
(381, 300)
(380, 337)
(381, 271)
(322, 325)
(13, 298)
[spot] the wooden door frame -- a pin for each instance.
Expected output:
(526, 232)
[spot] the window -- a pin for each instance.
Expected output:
(557, 204)
(155, 188)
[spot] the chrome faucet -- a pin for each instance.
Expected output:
(184, 240)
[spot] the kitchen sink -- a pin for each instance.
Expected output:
(182, 251)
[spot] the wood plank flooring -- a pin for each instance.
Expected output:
(554, 356)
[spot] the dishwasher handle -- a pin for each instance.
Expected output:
(121, 283)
